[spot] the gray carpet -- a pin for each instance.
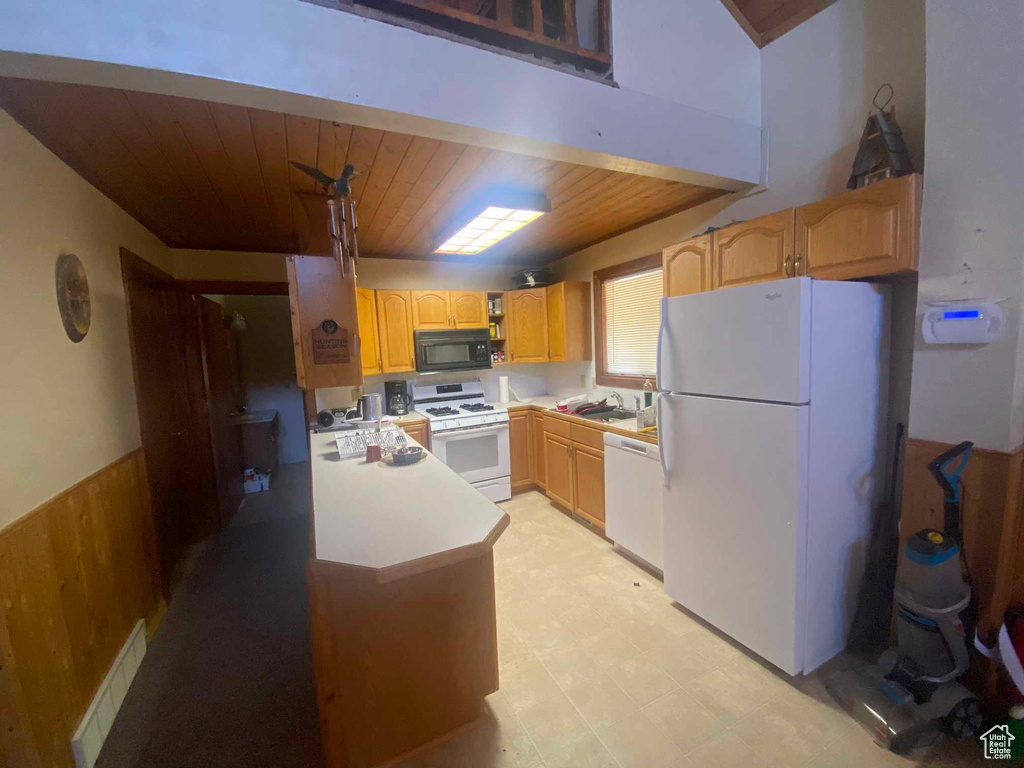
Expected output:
(228, 678)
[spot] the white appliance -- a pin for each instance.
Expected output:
(632, 497)
(772, 433)
(468, 434)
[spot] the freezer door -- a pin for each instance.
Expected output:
(750, 342)
(735, 518)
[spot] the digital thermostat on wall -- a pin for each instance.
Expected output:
(962, 323)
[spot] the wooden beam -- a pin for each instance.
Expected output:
(730, 5)
(538, 18)
(604, 28)
(571, 37)
(796, 17)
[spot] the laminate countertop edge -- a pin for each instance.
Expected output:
(514, 406)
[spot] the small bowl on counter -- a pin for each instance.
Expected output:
(410, 454)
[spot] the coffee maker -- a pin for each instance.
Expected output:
(396, 398)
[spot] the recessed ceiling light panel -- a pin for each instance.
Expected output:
(494, 223)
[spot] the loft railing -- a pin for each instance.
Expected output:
(575, 32)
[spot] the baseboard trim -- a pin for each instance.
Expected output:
(99, 717)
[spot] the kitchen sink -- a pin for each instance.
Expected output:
(612, 414)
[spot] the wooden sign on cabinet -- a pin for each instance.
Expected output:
(318, 294)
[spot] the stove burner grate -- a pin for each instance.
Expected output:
(442, 411)
(477, 407)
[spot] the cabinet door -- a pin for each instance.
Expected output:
(539, 465)
(588, 484)
(469, 309)
(317, 293)
(369, 342)
(430, 311)
(528, 320)
(686, 268)
(556, 322)
(418, 431)
(869, 231)
(519, 450)
(394, 321)
(558, 461)
(753, 251)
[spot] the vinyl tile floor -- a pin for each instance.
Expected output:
(600, 669)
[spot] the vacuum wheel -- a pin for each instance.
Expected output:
(964, 719)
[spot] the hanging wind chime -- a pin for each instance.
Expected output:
(341, 210)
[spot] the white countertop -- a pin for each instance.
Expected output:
(547, 402)
(383, 516)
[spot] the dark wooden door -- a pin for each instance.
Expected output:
(157, 315)
(222, 377)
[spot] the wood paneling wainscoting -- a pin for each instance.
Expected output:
(993, 530)
(76, 574)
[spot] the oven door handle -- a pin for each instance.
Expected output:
(476, 431)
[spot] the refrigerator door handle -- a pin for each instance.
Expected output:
(662, 443)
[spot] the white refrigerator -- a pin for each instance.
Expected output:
(772, 428)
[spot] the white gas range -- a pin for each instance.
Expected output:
(468, 434)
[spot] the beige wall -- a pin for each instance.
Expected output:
(817, 84)
(67, 409)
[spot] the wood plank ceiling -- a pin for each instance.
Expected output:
(768, 20)
(205, 175)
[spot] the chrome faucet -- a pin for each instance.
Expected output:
(619, 401)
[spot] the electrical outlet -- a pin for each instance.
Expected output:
(357, 392)
(583, 380)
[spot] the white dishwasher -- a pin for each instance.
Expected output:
(632, 492)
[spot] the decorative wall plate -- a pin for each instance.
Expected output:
(73, 296)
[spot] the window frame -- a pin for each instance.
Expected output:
(601, 276)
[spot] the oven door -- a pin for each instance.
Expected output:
(476, 453)
(452, 350)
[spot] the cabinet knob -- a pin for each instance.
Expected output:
(787, 266)
(796, 265)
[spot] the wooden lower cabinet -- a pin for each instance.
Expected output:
(540, 472)
(519, 451)
(575, 477)
(588, 484)
(558, 463)
(418, 431)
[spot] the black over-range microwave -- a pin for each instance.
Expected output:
(458, 350)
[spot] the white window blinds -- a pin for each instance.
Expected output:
(632, 311)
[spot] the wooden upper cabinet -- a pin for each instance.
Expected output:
(753, 251)
(469, 309)
(527, 320)
(686, 267)
(568, 309)
(394, 319)
(869, 231)
(431, 311)
(369, 341)
(317, 293)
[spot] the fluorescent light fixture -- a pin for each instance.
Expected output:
(493, 218)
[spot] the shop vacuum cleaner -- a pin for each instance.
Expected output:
(911, 697)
